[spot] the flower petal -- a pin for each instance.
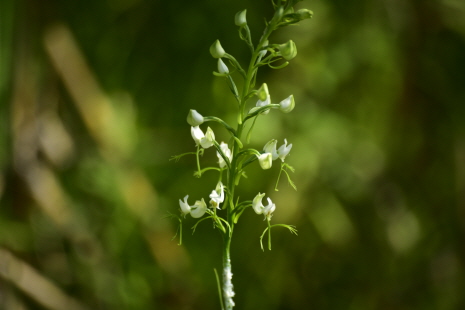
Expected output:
(185, 208)
(198, 209)
(257, 203)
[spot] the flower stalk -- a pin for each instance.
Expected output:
(225, 205)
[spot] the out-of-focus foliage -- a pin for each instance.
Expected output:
(94, 96)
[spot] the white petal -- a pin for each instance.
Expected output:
(185, 208)
(284, 150)
(269, 209)
(222, 68)
(270, 147)
(197, 134)
(198, 209)
(207, 140)
(257, 203)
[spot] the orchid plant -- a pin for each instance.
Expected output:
(225, 207)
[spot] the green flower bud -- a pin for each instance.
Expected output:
(263, 93)
(288, 50)
(194, 118)
(287, 105)
(216, 50)
(240, 19)
(304, 14)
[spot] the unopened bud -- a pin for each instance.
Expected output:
(304, 14)
(265, 160)
(194, 118)
(216, 50)
(262, 92)
(287, 105)
(288, 50)
(240, 18)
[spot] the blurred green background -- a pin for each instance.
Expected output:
(94, 97)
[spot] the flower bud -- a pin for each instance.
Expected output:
(194, 118)
(263, 93)
(304, 14)
(287, 105)
(216, 50)
(240, 19)
(265, 160)
(222, 68)
(278, 14)
(288, 50)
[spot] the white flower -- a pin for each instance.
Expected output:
(270, 147)
(205, 140)
(222, 68)
(197, 210)
(284, 150)
(194, 118)
(226, 151)
(217, 196)
(265, 160)
(259, 208)
(287, 105)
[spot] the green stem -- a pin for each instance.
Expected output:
(198, 161)
(228, 291)
(249, 77)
